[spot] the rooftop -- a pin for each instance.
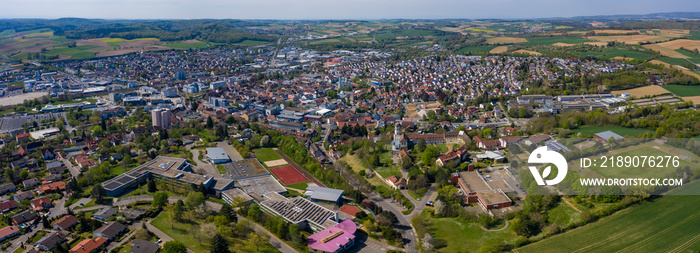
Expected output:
(297, 209)
(333, 238)
(324, 194)
(217, 154)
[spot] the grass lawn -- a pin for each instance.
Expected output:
(683, 90)
(18, 250)
(266, 154)
(455, 235)
(624, 131)
(417, 194)
(251, 43)
(221, 169)
(125, 249)
(665, 224)
(563, 215)
(89, 204)
(79, 52)
(443, 147)
(301, 186)
(180, 231)
(357, 166)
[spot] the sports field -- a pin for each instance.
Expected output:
(666, 224)
(288, 175)
(266, 154)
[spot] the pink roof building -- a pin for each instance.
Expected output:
(337, 238)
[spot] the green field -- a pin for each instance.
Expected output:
(552, 40)
(683, 90)
(617, 53)
(475, 49)
(645, 149)
(679, 61)
(251, 43)
(455, 235)
(666, 224)
(300, 186)
(183, 45)
(624, 131)
(79, 52)
(266, 154)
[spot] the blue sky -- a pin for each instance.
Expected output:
(333, 9)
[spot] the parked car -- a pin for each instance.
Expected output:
(429, 203)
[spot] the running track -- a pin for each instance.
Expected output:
(299, 169)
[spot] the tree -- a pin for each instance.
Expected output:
(439, 207)
(152, 186)
(160, 199)
(194, 199)
(45, 222)
(228, 212)
(24, 174)
(98, 192)
(255, 239)
(265, 141)
(210, 122)
(219, 244)
(174, 247)
(177, 210)
(428, 242)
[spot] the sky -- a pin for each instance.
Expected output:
(334, 9)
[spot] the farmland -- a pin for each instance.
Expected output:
(665, 224)
(683, 90)
(617, 53)
(647, 171)
(475, 50)
(505, 40)
(553, 40)
(499, 49)
(650, 90)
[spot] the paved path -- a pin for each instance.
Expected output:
(296, 167)
(74, 170)
(276, 242)
(80, 201)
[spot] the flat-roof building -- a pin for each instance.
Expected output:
(337, 238)
(217, 155)
(489, 195)
(324, 194)
(300, 211)
(171, 170)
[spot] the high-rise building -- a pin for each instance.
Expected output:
(161, 118)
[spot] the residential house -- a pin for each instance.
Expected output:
(48, 154)
(9, 232)
(7, 205)
(52, 187)
(65, 222)
(9, 187)
(89, 245)
(509, 140)
(41, 203)
(22, 196)
(143, 246)
(105, 213)
(49, 242)
(55, 167)
(395, 182)
(31, 182)
(110, 230)
(23, 217)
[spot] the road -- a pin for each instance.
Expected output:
(404, 225)
(276, 242)
(74, 170)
